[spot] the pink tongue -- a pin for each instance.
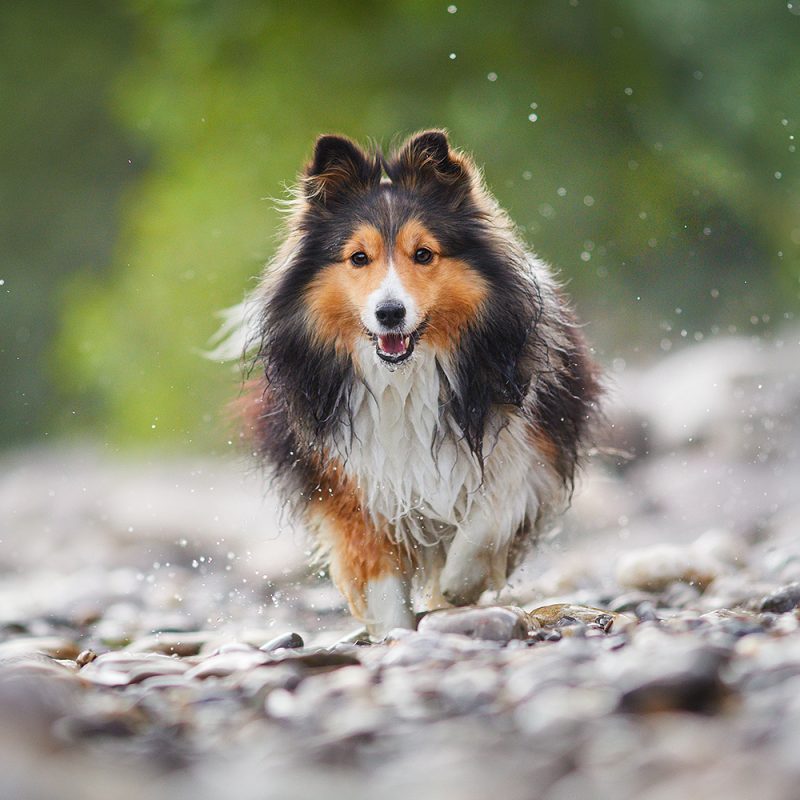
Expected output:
(392, 344)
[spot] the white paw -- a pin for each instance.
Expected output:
(464, 579)
(388, 606)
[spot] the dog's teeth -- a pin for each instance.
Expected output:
(406, 341)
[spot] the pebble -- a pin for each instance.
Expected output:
(493, 623)
(651, 671)
(655, 568)
(699, 690)
(224, 664)
(85, 657)
(53, 646)
(284, 641)
(182, 643)
(785, 599)
(565, 615)
(121, 668)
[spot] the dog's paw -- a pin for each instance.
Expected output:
(463, 582)
(388, 606)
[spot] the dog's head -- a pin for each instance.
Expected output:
(390, 240)
(389, 255)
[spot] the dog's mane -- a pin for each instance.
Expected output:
(522, 351)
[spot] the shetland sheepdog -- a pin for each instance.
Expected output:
(424, 394)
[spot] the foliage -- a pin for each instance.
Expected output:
(645, 148)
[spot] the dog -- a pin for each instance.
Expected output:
(424, 393)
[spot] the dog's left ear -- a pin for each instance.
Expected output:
(339, 167)
(428, 158)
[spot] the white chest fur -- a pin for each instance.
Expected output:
(414, 468)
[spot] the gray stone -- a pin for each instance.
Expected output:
(493, 623)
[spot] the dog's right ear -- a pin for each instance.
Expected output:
(339, 167)
(426, 161)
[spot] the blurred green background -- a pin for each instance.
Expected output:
(646, 148)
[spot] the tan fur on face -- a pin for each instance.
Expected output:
(447, 291)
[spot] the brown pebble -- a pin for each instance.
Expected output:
(85, 657)
(560, 614)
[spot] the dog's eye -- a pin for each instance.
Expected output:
(359, 259)
(423, 256)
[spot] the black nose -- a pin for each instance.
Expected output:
(390, 313)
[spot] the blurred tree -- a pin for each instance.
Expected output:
(64, 166)
(647, 149)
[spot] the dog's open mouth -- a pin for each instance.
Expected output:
(394, 347)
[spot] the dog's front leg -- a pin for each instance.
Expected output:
(477, 560)
(369, 570)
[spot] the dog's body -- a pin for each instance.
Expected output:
(425, 392)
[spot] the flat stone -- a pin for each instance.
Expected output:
(224, 664)
(655, 568)
(284, 641)
(179, 644)
(493, 623)
(785, 599)
(53, 646)
(698, 691)
(562, 615)
(85, 657)
(339, 656)
(122, 668)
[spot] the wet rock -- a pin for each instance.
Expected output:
(259, 682)
(655, 568)
(566, 615)
(123, 669)
(35, 692)
(430, 650)
(467, 687)
(320, 658)
(53, 646)
(234, 647)
(180, 643)
(544, 635)
(736, 623)
(117, 724)
(646, 612)
(700, 691)
(787, 598)
(224, 664)
(561, 710)
(284, 641)
(493, 623)
(630, 601)
(85, 657)
(240, 638)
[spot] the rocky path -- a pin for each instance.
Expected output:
(160, 634)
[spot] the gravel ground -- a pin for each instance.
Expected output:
(162, 635)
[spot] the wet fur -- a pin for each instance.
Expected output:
(507, 393)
